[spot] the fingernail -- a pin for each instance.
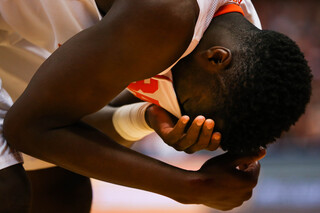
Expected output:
(210, 124)
(185, 119)
(200, 120)
(216, 136)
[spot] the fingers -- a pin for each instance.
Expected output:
(215, 141)
(172, 135)
(248, 167)
(234, 161)
(249, 175)
(204, 138)
(248, 159)
(199, 135)
(192, 134)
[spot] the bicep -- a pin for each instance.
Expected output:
(90, 69)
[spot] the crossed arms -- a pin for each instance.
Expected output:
(83, 75)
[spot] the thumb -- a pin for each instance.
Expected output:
(233, 160)
(245, 160)
(159, 118)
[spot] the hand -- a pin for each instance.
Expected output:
(220, 183)
(199, 135)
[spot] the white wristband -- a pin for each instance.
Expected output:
(129, 121)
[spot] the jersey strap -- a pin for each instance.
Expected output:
(229, 8)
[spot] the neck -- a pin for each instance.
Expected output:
(226, 30)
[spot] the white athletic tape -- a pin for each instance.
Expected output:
(129, 121)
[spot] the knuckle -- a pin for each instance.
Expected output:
(238, 204)
(187, 143)
(253, 183)
(189, 151)
(211, 148)
(226, 208)
(178, 148)
(203, 142)
(169, 142)
(247, 196)
(169, 139)
(207, 132)
(194, 149)
(215, 142)
(249, 181)
(200, 146)
(174, 139)
(181, 147)
(249, 184)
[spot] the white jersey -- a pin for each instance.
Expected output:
(32, 30)
(8, 156)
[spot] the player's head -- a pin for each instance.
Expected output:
(254, 87)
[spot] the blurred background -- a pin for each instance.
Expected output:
(290, 174)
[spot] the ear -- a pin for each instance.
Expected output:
(216, 58)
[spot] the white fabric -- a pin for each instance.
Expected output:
(29, 32)
(250, 13)
(158, 90)
(8, 156)
(129, 121)
(47, 23)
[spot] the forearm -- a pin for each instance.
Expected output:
(126, 124)
(86, 151)
(102, 121)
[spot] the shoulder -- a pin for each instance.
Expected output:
(173, 8)
(176, 18)
(150, 29)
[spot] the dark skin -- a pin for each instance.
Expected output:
(14, 179)
(66, 88)
(201, 92)
(58, 190)
(174, 132)
(199, 78)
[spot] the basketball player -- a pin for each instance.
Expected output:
(54, 130)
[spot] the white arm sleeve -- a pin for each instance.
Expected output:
(129, 121)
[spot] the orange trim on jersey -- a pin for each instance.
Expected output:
(162, 77)
(229, 8)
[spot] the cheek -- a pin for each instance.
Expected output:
(198, 106)
(190, 109)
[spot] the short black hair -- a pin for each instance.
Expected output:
(269, 86)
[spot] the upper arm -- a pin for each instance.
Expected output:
(135, 40)
(124, 98)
